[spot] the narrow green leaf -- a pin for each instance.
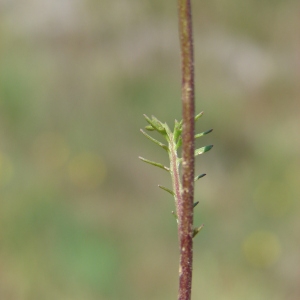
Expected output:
(195, 204)
(156, 124)
(159, 125)
(166, 189)
(154, 163)
(202, 150)
(199, 116)
(179, 143)
(178, 125)
(149, 128)
(177, 130)
(197, 230)
(199, 176)
(203, 133)
(154, 140)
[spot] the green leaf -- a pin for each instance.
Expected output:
(179, 143)
(154, 140)
(177, 130)
(178, 124)
(156, 121)
(197, 230)
(199, 176)
(195, 204)
(153, 163)
(156, 124)
(199, 116)
(203, 150)
(149, 128)
(203, 133)
(166, 189)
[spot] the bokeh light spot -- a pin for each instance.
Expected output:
(6, 169)
(261, 249)
(87, 170)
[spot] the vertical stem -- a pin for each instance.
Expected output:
(185, 204)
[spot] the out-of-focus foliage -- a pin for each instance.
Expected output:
(80, 216)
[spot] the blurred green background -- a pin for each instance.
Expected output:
(80, 216)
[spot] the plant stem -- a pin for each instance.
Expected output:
(185, 203)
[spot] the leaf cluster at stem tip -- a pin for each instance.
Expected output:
(174, 141)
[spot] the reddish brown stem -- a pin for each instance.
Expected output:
(185, 203)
